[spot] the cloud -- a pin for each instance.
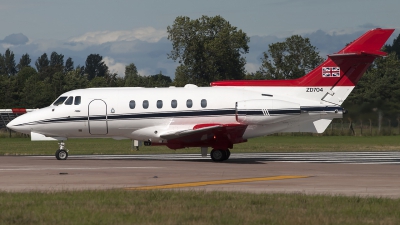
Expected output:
(114, 67)
(147, 48)
(368, 26)
(252, 67)
(148, 34)
(15, 39)
(144, 72)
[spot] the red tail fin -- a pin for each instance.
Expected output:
(344, 68)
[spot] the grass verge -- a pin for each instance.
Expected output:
(192, 207)
(23, 146)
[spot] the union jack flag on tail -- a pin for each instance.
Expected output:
(330, 71)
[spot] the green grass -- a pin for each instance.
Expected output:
(321, 143)
(192, 207)
(23, 146)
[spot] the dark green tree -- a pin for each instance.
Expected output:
(69, 65)
(120, 81)
(158, 80)
(56, 59)
(10, 98)
(9, 63)
(208, 49)
(291, 59)
(2, 65)
(56, 65)
(36, 93)
(98, 82)
(81, 69)
(57, 84)
(95, 67)
(22, 76)
(74, 80)
(378, 89)
(132, 77)
(25, 61)
(255, 76)
(111, 79)
(395, 47)
(42, 62)
(182, 76)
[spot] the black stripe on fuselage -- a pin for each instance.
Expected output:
(184, 114)
(150, 115)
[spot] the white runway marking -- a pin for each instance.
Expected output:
(318, 157)
(75, 168)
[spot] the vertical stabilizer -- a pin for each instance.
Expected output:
(338, 75)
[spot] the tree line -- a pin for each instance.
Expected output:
(206, 49)
(24, 86)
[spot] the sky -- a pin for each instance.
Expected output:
(132, 31)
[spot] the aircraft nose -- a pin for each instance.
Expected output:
(11, 124)
(17, 125)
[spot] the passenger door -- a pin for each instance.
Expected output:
(97, 117)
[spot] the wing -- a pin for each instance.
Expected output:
(218, 136)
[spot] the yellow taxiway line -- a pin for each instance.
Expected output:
(213, 182)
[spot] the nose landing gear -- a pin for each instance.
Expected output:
(62, 152)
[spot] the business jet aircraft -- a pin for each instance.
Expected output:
(227, 113)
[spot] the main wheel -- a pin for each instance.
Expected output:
(61, 154)
(228, 153)
(218, 155)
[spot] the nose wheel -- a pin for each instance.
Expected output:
(62, 152)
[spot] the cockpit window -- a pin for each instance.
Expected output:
(69, 101)
(77, 100)
(60, 100)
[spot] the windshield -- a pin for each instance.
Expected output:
(60, 100)
(69, 101)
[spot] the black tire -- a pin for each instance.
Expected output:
(61, 155)
(228, 153)
(218, 155)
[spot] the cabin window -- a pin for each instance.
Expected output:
(159, 104)
(60, 100)
(189, 103)
(145, 104)
(203, 103)
(174, 103)
(69, 101)
(132, 104)
(77, 100)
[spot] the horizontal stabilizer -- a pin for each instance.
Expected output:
(376, 53)
(318, 126)
(370, 42)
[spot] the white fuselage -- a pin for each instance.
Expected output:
(109, 112)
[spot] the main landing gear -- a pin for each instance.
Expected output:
(62, 152)
(219, 155)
